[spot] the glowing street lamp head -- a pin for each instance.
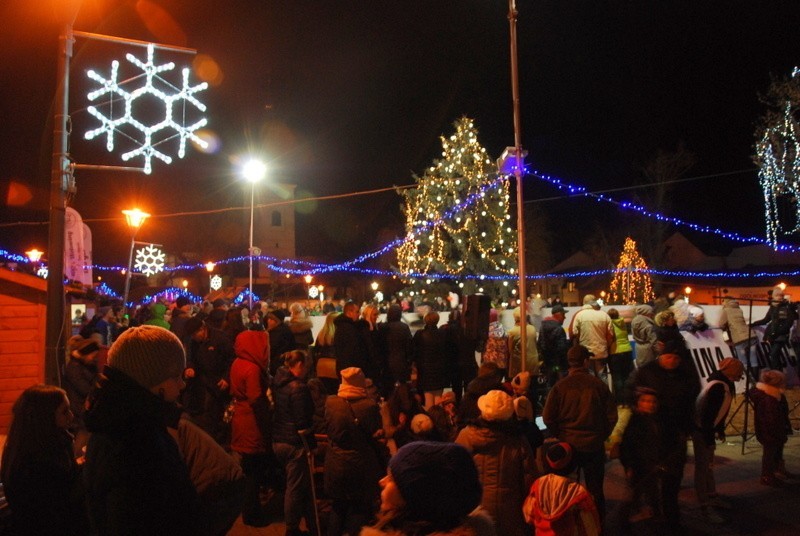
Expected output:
(308, 278)
(135, 217)
(374, 285)
(687, 291)
(210, 266)
(254, 170)
(34, 255)
(782, 285)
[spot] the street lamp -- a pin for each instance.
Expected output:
(135, 219)
(210, 268)
(34, 255)
(308, 278)
(253, 171)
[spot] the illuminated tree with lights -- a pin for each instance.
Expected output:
(631, 282)
(457, 222)
(778, 156)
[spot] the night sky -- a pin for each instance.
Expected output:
(350, 95)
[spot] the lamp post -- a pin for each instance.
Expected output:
(34, 255)
(308, 278)
(253, 171)
(210, 269)
(517, 167)
(135, 219)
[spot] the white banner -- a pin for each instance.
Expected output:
(708, 348)
(73, 245)
(86, 277)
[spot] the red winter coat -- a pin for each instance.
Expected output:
(249, 381)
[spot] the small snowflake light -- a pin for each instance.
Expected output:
(313, 292)
(42, 272)
(149, 260)
(154, 86)
(216, 282)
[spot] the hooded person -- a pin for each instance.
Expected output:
(643, 329)
(352, 423)
(772, 425)
(300, 326)
(137, 481)
(158, 310)
(556, 504)
(431, 488)
(250, 421)
(505, 460)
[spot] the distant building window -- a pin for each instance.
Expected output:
(276, 218)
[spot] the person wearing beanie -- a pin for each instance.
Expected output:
(353, 466)
(711, 412)
(557, 504)
(80, 375)
(431, 488)
(136, 479)
(490, 377)
(505, 460)
(772, 425)
(581, 411)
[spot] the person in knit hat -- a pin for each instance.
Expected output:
(136, 479)
(772, 425)
(431, 488)
(354, 462)
(581, 411)
(505, 460)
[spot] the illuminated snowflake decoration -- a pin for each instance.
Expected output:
(216, 282)
(149, 260)
(42, 272)
(154, 87)
(313, 292)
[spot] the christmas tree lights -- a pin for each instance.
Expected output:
(778, 155)
(631, 283)
(464, 242)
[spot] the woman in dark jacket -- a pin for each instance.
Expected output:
(352, 467)
(432, 355)
(40, 475)
(291, 435)
(137, 481)
(250, 423)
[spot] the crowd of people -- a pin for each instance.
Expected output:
(187, 417)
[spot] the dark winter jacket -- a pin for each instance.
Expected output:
(677, 391)
(294, 408)
(395, 337)
(136, 481)
(506, 466)
(211, 359)
(351, 349)
(249, 383)
(638, 450)
(45, 492)
(352, 468)
(281, 340)
(779, 320)
(771, 415)
(433, 355)
(553, 344)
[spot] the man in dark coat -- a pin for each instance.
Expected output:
(210, 356)
(137, 482)
(434, 357)
(281, 340)
(395, 337)
(677, 386)
(779, 320)
(351, 349)
(553, 346)
(291, 425)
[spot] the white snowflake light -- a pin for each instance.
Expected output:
(154, 86)
(216, 282)
(149, 260)
(313, 292)
(42, 272)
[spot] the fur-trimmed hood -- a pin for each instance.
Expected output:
(478, 523)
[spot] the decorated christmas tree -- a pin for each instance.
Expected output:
(458, 229)
(631, 282)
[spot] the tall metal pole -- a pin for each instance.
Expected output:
(523, 332)
(128, 273)
(250, 249)
(60, 184)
